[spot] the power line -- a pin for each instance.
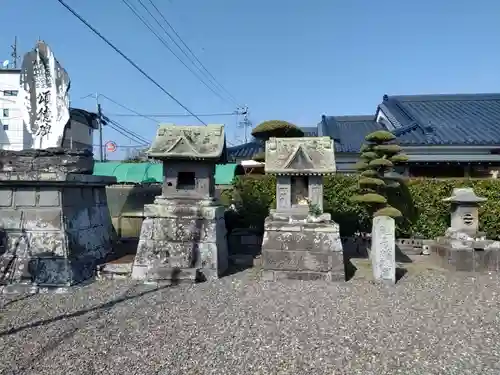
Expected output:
(125, 133)
(139, 137)
(164, 42)
(176, 114)
(148, 117)
(117, 50)
(191, 52)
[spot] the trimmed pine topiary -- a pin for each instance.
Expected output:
(378, 156)
(276, 128)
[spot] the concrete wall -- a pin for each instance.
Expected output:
(126, 206)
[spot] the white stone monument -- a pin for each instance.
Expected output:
(383, 249)
(44, 98)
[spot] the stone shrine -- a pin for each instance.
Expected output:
(183, 236)
(55, 226)
(464, 247)
(300, 241)
(383, 249)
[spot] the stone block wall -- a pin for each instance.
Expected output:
(53, 232)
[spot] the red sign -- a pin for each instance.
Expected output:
(110, 146)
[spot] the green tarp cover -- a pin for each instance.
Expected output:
(138, 173)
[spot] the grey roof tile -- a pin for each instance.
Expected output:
(349, 132)
(457, 119)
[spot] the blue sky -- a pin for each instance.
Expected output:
(291, 60)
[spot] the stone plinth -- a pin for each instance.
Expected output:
(181, 240)
(463, 247)
(50, 160)
(459, 252)
(302, 250)
(55, 228)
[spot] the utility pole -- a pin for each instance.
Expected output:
(244, 123)
(99, 123)
(14, 53)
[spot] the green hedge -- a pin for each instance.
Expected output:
(425, 215)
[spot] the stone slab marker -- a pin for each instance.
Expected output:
(383, 249)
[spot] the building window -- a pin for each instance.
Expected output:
(10, 92)
(5, 112)
(5, 127)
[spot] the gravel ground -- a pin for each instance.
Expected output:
(430, 323)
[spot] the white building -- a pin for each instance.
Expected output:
(11, 122)
(14, 135)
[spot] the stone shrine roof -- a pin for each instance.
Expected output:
(189, 142)
(300, 156)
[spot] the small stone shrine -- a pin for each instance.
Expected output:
(183, 236)
(464, 247)
(55, 226)
(300, 241)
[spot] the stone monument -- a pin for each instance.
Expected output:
(55, 226)
(383, 249)
(44, 98)
(300, 241)
(183, 236)
(464, 247)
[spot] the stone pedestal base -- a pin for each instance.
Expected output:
(467, 255)
(55, 228)
(181, 240)
(305, 251)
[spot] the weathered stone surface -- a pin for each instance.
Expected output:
(273, 275)
(307, 238)
(307, 155)
(52, 236)
(305, 248)
(315, 261)
(383, 249)
(181, 142)
(467, 259)
(48, 160)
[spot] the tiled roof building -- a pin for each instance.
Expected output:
(455, 130)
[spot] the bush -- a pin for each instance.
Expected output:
(424, 214)
(276, 128)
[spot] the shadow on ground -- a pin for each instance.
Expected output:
(102, 307)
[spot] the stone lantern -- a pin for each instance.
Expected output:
(465, 210)
(300, 241)
(463, 247)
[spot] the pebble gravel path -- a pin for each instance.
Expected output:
(430, 323)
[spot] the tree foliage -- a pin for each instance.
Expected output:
(378, 156)
(274, 128)
(425, 213)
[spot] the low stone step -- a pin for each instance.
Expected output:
(166, 273)
(113, 270)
